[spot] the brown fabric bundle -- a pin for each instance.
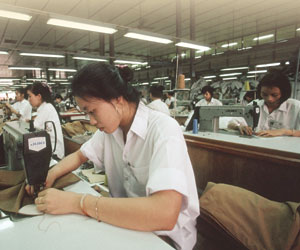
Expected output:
(12, 189)
(249, 219)
(77, 128)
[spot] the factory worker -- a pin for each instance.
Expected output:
(156, 94)
(144, 155)
(170, 99)
(21, 108)
(279, 114)
(39, 96)
(207, 92)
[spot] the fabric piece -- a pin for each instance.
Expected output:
(77, 128)
(254, 221)
(12, 189)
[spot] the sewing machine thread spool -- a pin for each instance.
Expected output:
(195, 126)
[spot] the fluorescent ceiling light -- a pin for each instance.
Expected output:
(148, 37)
(209, 80)
(226, 45)
(267, 65)
(298, 29)
(65, 83)
(229, 78)
(192, 45)
(15, 15)
(24, 68)
(3, 52)
(41, 55)
(36, 79)
(59, 80)
(9, 79)
(82, 25)
(238, 68)
(155, 82)
(6, 83)
(246, 48)
(187, 79)
(161, 78)
(64, 70)
(197, 57)
(257, 71)
(287, 63)
(231, 74)
(128, 62)
(89, 59)
(145, 83)
(251, 76)
(208, 77)
(263, 37)
(218, 53)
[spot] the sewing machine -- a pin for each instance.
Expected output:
(29, 149)
(209, 115)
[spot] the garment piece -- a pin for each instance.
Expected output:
(213, 102)
(24, 108)
(12, 189)
(47, 112)
(154, 158)
(250, 219)
(159, 105)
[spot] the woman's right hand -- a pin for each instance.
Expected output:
(245, 130)
(51, 177)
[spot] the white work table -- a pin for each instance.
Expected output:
(61, 232)
(282, 143)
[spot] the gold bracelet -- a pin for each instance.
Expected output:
(96, 209)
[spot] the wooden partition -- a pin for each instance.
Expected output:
(271, 173)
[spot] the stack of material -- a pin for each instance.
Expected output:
(78, 128)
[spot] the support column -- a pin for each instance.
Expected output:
(192, 37)
(178, 69)
(101, 45)
(111, 49)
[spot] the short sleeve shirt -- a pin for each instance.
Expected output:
(24, 108)
(213, 102)
(154, 158)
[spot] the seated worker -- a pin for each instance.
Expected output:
(39, 96)
(60, 104)
(279, 114)
(170, 99)
(156, 94)
(248, 98)
(207, 92)
(22, 108)
(144, 154)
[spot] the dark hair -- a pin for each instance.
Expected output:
(43, 89)
(208, 89)
(22, 91)
(58, 96)
(157, 91)
(249, 94)
(171, 93)
(275, 78)
(104, 81)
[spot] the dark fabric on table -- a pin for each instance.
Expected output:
(12, 189)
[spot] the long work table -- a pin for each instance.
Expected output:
(72, 231)
(267, 166)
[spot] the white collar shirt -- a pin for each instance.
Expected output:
(168, 101)
(154, 158)
(287, 116)
(47, 112)
(213, 102)
(159, 105)
(24, 108)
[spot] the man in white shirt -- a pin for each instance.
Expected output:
(156, 94)
(170, 100)
(22, 108)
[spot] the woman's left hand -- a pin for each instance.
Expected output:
(270, 133)
(54, 201)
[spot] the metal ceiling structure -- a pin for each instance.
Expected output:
(216, 22)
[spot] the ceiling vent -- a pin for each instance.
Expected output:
(10, 41)
(27, 43)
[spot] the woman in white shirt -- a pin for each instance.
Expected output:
(22, 108)
(39, 96)
(207, 92)
(144, 155)
(279, 114)
(156, 94)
